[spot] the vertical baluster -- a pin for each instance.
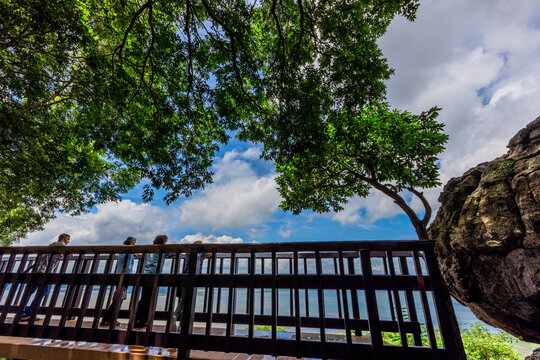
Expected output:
(322, 312)
(409, 300)
(155, 294)
(8, 268)
(274, 299)
(78, 287)
(425, 304)
(251, 297)
(298, 323)
(52, 303)
(306, 293)
(88, 292)
(218, 310)
(100, 297)
(389, 292)
(402, 333)
(175, 270)
(186, 328)
(371, 304)
(119, 287)
(205, 298)
(231, 300)
(210, 309)
(291, 294)
(29, 282)
(13, 290)
(31, 262)
(135, 295)
(338, 295)
(262, 289)
(347, 324)
(448, 324)
(41, 284)
(354, 296)
(70, 293)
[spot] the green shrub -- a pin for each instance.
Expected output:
(269, 328)
(480, 344)
(478, 341)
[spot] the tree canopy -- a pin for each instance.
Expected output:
(376, 147)
(96, 96)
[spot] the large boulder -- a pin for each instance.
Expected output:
(487, 234)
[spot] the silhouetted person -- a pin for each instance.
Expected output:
(41, 267)
(119, 295)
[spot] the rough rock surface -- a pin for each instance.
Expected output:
(534, 356)
(487, 234)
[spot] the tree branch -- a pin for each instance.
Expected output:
(153, 36)
(427, 207)
(231, 42)
(120, 47)
(190, 49)
(299, 43)
(280, 34)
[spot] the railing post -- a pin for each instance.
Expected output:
(445, 310)
(186, 323)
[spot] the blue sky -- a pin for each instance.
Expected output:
(478, 60)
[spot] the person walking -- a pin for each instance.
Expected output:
(150, 267)
(120, 294)
(41, 267)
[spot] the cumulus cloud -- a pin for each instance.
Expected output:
(224, 239)
(110, 224)
(237, 198)
(365, 211)
(480, 62)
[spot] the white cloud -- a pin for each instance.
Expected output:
(237, 198)
(285, 231)
(480, 62)
(224, 239)
(109, 225)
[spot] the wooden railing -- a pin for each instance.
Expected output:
(318, 300)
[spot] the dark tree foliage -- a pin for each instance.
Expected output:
(97, 95)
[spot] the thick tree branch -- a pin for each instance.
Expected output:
(118, 50)
(427, 207)
(417, 223)
(281, 43)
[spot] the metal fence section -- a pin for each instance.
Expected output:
(329, 300)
